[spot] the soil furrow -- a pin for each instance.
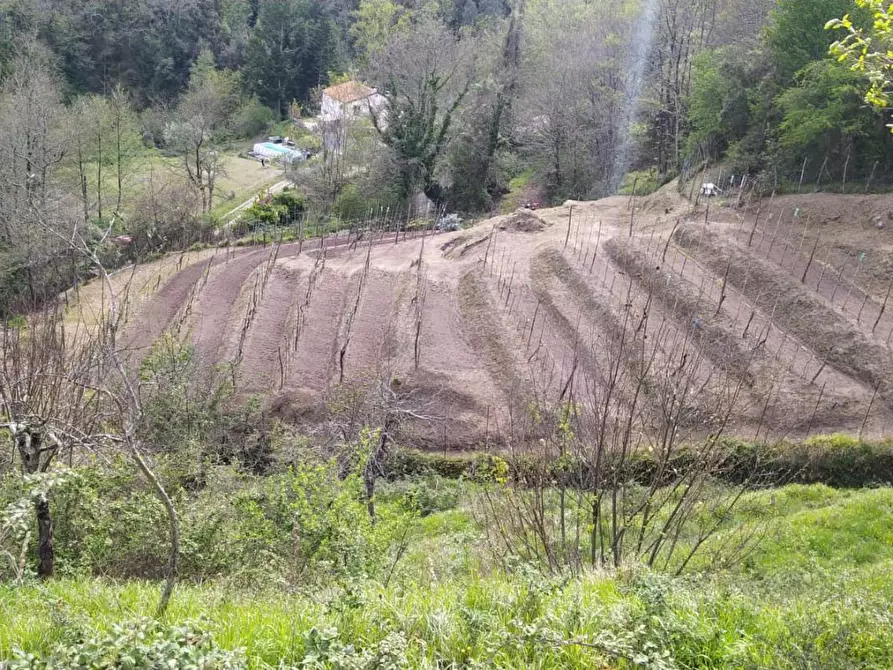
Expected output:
(313, 363)
(796, 309)
(263, 363)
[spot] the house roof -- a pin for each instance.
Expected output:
(349, 91)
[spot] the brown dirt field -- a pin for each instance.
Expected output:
(795, 309)
(851, 269)
(533, 309)
(312, 363)
(266, 343)
(523, 221)
(372, 338)
(214, 314)
(151, 316)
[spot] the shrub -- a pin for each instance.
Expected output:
(425, 494)
(643, 183)
(280, 209)
(142, 645)
(406, 463)
(350, 205)
(839, 461)
(252, 119)
(307, 523)
(165, 218)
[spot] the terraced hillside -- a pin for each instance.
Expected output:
(615, 305)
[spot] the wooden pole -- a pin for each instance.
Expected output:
(818, 180)
(846, 166)
(871, 177)
(883, 307)
(755, 222)
(570, 218)
(811, 257)
(824, 268)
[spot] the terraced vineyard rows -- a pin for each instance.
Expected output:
(570, 305)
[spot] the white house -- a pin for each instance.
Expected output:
(350, 100)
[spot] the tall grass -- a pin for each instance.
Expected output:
(815, 593)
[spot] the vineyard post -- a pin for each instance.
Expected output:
(824, 268)
(598, 239)
(570, 218)
(811, 258)
(883, 307)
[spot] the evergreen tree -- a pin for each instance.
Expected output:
(290, 52)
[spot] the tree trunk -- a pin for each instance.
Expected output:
(46, 557)
(373, 466)
(29, 445)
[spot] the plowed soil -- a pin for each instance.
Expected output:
(560, 305)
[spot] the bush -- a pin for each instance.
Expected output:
(281, 209)
(252, 119)
(426, 495)
(307, 523)
(839, 461)
(407, 463)
(644, 182)
(142, 645)
(165, 219)
(350, 205)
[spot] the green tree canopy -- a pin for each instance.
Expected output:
(868, 50)
(290, 52)
(796, 33)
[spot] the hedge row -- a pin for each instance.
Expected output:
(838, 461)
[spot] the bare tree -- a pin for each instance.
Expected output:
(32, 147)
(124, 137)
(200, 119)
(425, 74)
(575, 78)
(46, 405)
(619, 461)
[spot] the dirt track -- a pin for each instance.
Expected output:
(533, 310)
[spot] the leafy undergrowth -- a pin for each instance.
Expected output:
(814, 593)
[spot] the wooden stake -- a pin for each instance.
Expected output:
(802, 239)
(811, 257)
(883, 307)
(837, 284)
(871, 177)
(755, 222)
(722, 292)
(632, 218)
(818, 181)
(861, 309)
(598, 239)
(753, 313)
(824, 268)
(846, 165)
(570, 217)
(868, 412)
(819, 372)
(815, 411)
